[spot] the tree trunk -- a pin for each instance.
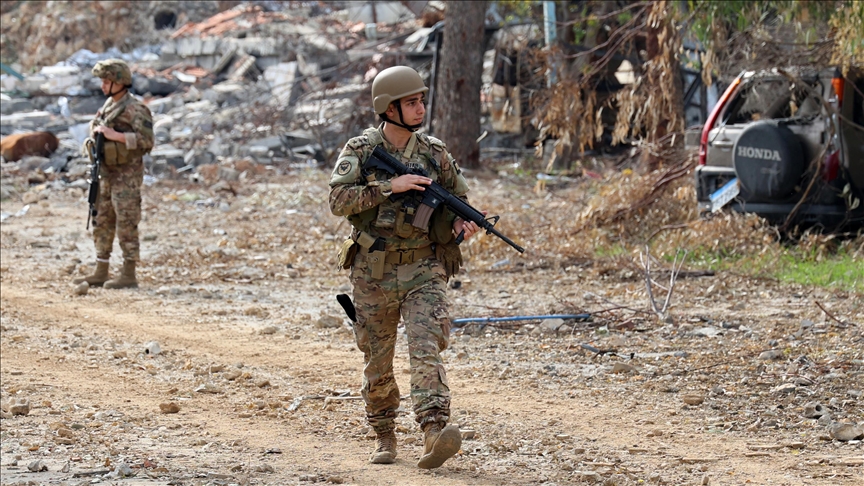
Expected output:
(457, 104)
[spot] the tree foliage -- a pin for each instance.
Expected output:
(764, 33)
(732, 35)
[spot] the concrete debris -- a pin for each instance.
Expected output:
(231, 91)
(846, 432)
(17, 406)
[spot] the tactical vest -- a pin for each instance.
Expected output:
(393, 218)
(116, 153)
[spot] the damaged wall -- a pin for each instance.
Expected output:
(44, 33)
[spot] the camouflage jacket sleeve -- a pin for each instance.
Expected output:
(349, 192)
(141, 122)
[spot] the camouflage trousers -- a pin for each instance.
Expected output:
(415, 292)
(118, 210)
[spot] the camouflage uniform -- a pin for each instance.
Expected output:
(413, 290)
(119, 203)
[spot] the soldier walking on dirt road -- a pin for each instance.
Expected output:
(400, 270)
(128, 129)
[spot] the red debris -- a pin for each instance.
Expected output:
(229, 20)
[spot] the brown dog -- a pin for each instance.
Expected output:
(19, 145)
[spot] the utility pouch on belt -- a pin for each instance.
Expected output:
(347, 254)
(375, 259)
(116, 153)
(376, 254)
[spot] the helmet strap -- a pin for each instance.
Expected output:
(111, 94)
(410, 128)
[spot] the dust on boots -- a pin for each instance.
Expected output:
(439, 444)
(126, 280)
(385, 452)
(97, 278)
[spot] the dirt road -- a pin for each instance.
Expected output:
(255, 352)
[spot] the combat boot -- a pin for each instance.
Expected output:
(126, 280)
(439, 444)
(97, 278)
(385, 453)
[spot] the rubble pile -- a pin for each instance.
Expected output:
(246, 88)
(42, 33)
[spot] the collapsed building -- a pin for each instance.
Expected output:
(254, 83)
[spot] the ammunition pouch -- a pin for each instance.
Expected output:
(347, 253)
(116, 153)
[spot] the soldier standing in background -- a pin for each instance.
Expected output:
(399, 270)
(127, 126)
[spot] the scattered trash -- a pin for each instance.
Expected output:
(152, 348)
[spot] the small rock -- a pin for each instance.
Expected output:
(262, 383)
(814, 410)
(693, 399)
(122, 470)
(119, 354)
(592, 476)
(846, 432)
(37, 466)
(705, 480)
(64, 432)
(468, 434)
(17, 406)
(265, 468)
(328, 322)
(622, 368)
(81, 289)
(169, 407)
(771, 354)
(269, 330)
(616, 480)
(208, 388)
(785, 388)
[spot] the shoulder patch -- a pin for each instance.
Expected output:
(343, 168)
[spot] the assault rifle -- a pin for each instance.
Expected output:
(434, 196)
(97, 153)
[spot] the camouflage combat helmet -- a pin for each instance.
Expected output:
(114, 70)
(395, 83)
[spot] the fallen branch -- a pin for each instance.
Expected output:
(832, 315)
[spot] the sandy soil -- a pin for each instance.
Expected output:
(238, 292)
